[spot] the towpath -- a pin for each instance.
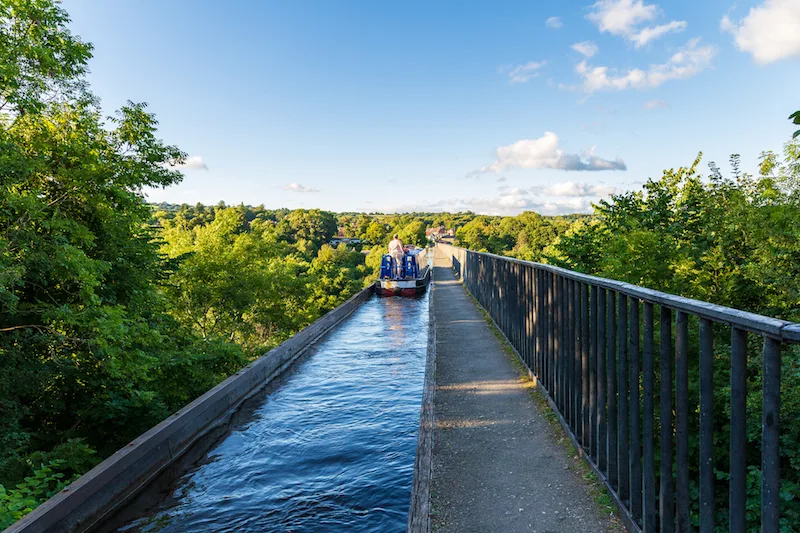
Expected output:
(498, 464)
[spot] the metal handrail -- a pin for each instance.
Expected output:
(753, 322)
(583, 339)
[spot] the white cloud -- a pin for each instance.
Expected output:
(512, 202)
(194, 162)
(689, 61)
(625, 17)
(516, 201)
(545, 153)
(554, 23)
(578, 189)
(296, 187)
(656, 104)
(651, 33)
(620, 17)
(573, 205)
(769, 32)
(555, 199)
(587, 48)
(523, 73)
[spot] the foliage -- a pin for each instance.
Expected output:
(311, 228)
(527, 236)
(109, 322)
(413, 233)
(255, 280)
(733, 241)
(45, 482)
(795, 118)
(376, 233)
(82, 323)
(338, 274)
(41, 60)
(114, 313)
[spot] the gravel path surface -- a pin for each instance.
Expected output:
(497, 463)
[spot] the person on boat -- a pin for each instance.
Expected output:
(397, 252)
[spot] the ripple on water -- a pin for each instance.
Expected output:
(332, 449)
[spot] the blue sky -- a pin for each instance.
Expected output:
(488, 106)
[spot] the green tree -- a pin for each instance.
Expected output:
(376, 233)
(413, 233)
(311, 227)
(241, 286)
(82, 322)
(474, 235)
(42, 62)
(337, 273)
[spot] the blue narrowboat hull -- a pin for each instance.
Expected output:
(403, 287)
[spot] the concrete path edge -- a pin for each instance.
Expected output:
(419, 510)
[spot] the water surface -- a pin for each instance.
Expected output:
(332, 449)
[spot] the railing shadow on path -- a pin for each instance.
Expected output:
(498, 463)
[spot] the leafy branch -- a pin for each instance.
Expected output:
(795, 118)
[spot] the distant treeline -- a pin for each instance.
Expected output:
(525, 236)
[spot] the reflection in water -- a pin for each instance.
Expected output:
(331, 450)
(393, 317)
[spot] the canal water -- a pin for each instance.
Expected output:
(330, 449)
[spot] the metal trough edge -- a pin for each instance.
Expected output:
(97, 494)
(419, 508)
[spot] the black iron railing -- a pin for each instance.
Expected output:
(590, 343)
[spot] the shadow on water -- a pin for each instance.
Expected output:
(329, 447)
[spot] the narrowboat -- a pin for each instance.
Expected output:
(409, 278)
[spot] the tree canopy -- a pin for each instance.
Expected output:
(112, 318)
(114, 313)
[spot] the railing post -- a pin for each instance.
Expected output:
(635, 427)
(593, 373)
(682, 419)
(770, 437)
(561, 382)
(611, 354)
(527, 319)
(586, 432)
(551, 337)
(535, 309)
(602, 400)
(738, 453)
(667, 505)
(538, 325)
(622, 390)
(573, 341)
(650, 496)
(564, 365)
(706, 427)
